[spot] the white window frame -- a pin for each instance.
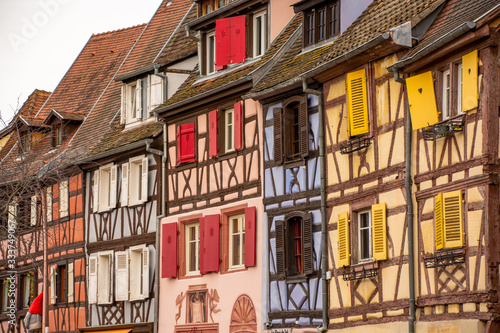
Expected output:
(241, 234)
(139, 272)
(107, 187)
(137, 180)
(446, 103)
(63, 199)
(228, 130)
(263, 33)
(121, 276)
(210, 56)
(33, 210)
(370, 238)
(459, 89)
(105, 277)
(188, 240)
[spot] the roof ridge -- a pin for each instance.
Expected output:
(118, 30)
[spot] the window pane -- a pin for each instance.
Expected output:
(446, 95)
(364, 235)
(133, 94)
(459, 89)
(321, 23)
(211, 54)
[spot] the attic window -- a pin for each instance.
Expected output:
(321, 23)
(57, 135)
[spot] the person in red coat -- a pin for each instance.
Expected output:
(33, 319)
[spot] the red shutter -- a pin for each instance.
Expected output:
(222, 42)
(210, 240)
(186, 140)
(230, 40)
(237, 125)
(169, 250)
(250, 233)
(238, 39)
(202, 245)
(212, 132)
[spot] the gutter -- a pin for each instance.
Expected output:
(409, 208)
(324, 225)
(163, 155)
(460, 30)
(118, 150)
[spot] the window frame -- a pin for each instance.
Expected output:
(4, 300)
(62, 283)
(228, 133)
(359, 253)
(196, 241)
(209, 54)
(136, 177)
(452, 94)
(312, 23)
(240, 217)
(262, 37)
(106, 189)
(136, 267)
(57, 135)
(110, 272)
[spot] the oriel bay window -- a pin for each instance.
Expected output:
(294, 246)
(225, 130)
(363, 236)
(199, 241)
(291, 130)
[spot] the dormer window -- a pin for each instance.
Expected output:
(57, 136)
(321, 23)
(259, 34)
(140, 97)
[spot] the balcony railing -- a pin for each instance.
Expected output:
(357, 273)
(444, 128)
(355, 144)
(445, 258)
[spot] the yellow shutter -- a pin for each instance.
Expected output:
(422, 100)
(379, 226)
(357, 103)
(343, 229)
(470, 93)
(438, 214)
(453, 219)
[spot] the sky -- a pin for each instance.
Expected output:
(40, 40)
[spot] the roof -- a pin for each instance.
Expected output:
(377, 19)
(34, 103)
(157, 32)
(193, 88)
(91, 72)
(455, 14)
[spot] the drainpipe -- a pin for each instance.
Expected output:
(165, 80)
(163, 154)
(324, 225)
(409, 208)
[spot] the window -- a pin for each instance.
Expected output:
(357, 103)
(139, 272)
(5, 294)
(231, 47)
(459, 89)
(236, 241)
(366, 235)
(259, 34)
(448, 210)
(57, 136)
(210, 59)
(24, 143)
(63, 199)
(445, 110)
(140, 97)
(229, 138)
(294, 246)
(135, 181)
(100, 277)
(321, 23)
(105, 188)
(186, 143)
(192, 248)
(27, 290)
(291, 131)
(61, 281)
(451, 90)
(33, 214)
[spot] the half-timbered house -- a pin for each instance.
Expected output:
(452, 80)
(212, 234)
(123, 173)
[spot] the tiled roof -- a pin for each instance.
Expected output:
(376, 19)
(180, 46)
(454, 14)
(191, 88)
(156, 34)
(91, 72)
(34, 102)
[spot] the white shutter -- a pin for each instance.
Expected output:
(71, 283)
(113, 185)
(53, 285)
(111, 275)
(121, 276)
(92, 287)
(33, 210)
(149, 94)
(124, 194)
(145, 272)
(49, 203)
(156, 91)
(63, 198)
(138, 100)
(123, 111)
(12, 213)
(144, 175)
(96, 190)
